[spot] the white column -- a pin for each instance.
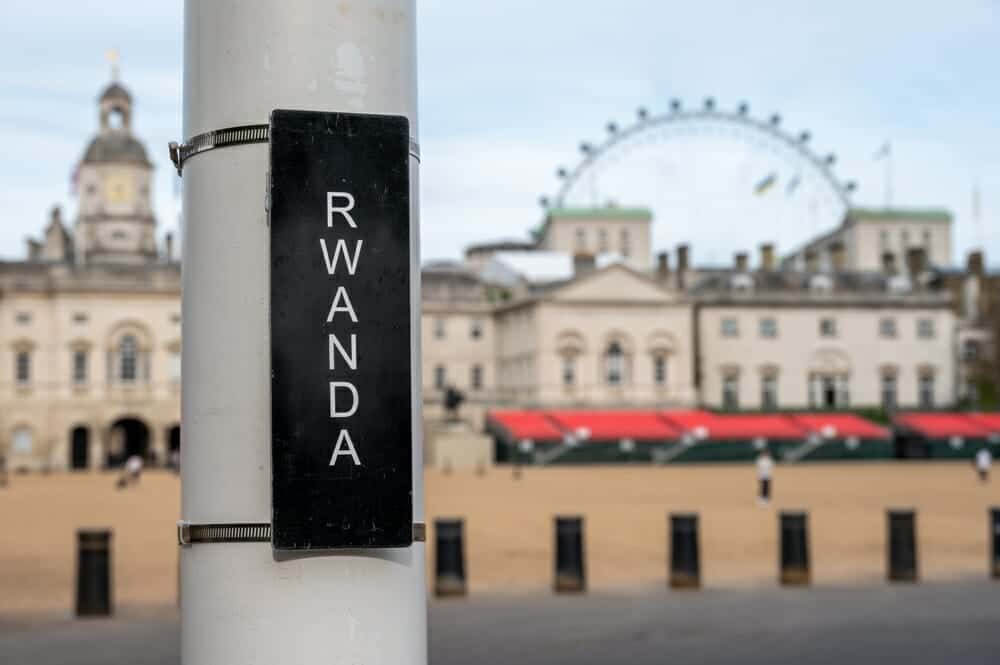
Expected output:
(241, 604)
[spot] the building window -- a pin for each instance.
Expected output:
(970, 350)
(476, 329)
(614, 361)
(602, 240)
(731, 391)
(660, 369)
(22, 440)
(175, 318)
(828, 391)
(581, 239)
(887, 327)
(769, 327)
(904, 239)
(883, 240)
(927, 241)
(175, 367)
(626, 243)
(925, 328)
(769, 392)
(80, 317)
(439, 377)
(568, 370)
(925, 390)
(827, 327)
(730, 327)
(889, 391)
(476, 377)
(23, 318)
(79, 366)
(22, 364)
(128, 359)
(438, 328)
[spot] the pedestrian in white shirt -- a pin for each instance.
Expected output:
(765, 469)
(984, 460)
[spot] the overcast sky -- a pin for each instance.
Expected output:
(508, 90)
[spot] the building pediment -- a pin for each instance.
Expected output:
(615, 283)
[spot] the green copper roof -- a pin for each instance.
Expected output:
(889, 214)
(610, 212)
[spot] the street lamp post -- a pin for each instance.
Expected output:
(243, 602)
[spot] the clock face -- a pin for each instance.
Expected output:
(118, 188)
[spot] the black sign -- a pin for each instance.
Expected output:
(341, 466)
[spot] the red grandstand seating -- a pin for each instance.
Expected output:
(942, 425)
(736, 426)
(989, 421)
(840, 424)
(520, 425)
(616, 425)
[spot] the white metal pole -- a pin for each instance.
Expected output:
(241, 604)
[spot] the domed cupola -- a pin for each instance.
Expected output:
(115, 222)
(115, 141)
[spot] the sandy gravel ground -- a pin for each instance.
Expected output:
(509, 531)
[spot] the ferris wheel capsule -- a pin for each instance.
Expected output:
(675, 105)
(804, 136)
(743, 108)
(709, 103)
(561, 172)
(775, 120)
(642, 113)
(612, 128)
(830, 159)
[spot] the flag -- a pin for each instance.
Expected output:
(793, 184)
(884, 151)
(765, 184)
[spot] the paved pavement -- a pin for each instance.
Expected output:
(918, 625)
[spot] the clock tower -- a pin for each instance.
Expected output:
(115, 223)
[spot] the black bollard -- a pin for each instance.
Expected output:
(570, 572)
(685, 561)
(995, 539)
(794, 549)
(93, 573)
(902, 546)
(449, 558)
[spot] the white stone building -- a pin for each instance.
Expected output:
(90, 322)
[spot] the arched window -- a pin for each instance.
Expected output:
(614, 364)
(22, 440)
(128, 359)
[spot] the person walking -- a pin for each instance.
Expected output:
(984, 460)
(765, 469)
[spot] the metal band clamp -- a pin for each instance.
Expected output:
(189, 534)
(231, 136)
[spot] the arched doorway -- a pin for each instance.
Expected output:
(129, 436)
(79, 448)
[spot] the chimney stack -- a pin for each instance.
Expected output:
(767, 257)
(812, 261)
(583, 264)
(168, 243)
(889, 263)
(742, 262)
(916, 261)
(976, 264)
(838, 257)
(683, 256)
(663, 266)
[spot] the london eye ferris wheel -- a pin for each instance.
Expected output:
(722, 179)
